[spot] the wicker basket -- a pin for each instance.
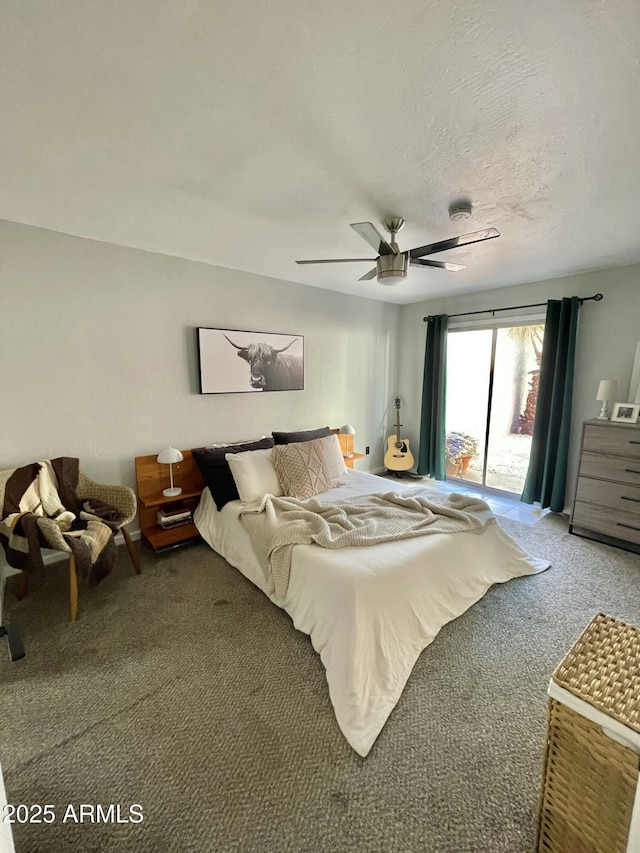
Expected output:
(588, 802)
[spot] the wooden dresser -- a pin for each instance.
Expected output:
(607, 504)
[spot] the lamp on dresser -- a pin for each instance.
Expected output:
(607, 391)
(169, 456)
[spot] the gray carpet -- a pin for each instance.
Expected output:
(186, 691)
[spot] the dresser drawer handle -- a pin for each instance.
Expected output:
(631, 471)
(630, 526)
(632, 441)
(625, 498)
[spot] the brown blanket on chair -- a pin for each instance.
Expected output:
(40, 509)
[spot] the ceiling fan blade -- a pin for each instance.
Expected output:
(369, 275)
(441, 265)
(340, 261)
(374, 238)
(464, 240)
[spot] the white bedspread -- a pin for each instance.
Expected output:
(370, 611)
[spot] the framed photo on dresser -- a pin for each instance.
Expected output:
(625, 413)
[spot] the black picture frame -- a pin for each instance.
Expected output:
(240, 361)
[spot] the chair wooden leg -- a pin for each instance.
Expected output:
(73, 589)
(22, 585)
(131, 548)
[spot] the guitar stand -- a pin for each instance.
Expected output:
(408, 474)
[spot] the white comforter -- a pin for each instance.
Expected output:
(370, 611)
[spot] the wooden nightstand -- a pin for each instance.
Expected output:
(151, 479)
(349, 460)
(346, 445)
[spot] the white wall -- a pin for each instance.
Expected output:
(98, 353)
(99, 357)
(607, 336)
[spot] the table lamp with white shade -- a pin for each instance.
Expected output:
(347, 429)
(169, 456)
(607, 391)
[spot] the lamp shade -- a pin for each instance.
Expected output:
(169, 455)
(347, 429)
(607, 390)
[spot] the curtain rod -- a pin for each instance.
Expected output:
(597, 298)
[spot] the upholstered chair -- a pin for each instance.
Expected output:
(121, 498)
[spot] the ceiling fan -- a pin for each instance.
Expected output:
(392, 265)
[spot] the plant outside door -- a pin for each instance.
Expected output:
(492, 382)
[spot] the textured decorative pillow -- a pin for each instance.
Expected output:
(216, 472)
(254, 474)
(333, 456)
(295, 437)
(301, 469)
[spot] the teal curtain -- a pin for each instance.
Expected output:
(546, 479)
(431, 458)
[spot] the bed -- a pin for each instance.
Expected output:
(371, 610)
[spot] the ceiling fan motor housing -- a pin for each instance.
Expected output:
(393, 268)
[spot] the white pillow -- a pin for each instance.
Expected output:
(333, 457)
(254, 474)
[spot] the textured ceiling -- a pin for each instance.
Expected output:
(252, 134)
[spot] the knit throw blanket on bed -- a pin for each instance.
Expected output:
(40, 509)
(275, 525)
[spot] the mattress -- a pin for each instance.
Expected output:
(371, 610)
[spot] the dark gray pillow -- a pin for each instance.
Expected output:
(294, 437)
(216, 472)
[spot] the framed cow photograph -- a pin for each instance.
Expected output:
(232, 361)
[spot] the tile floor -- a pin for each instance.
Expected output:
(500, 505)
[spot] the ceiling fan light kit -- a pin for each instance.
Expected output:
(392, 269)
(392, 265)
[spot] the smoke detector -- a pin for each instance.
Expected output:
(459, 210)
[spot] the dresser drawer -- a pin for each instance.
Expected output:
(612, 495)
(610, 439)
(623, 469)
(616, 523)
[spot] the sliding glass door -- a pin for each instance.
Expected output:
(492, 384)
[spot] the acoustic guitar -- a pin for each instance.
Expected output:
(398, 456)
